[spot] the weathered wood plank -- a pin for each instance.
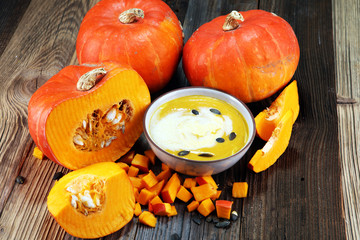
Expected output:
(346, 25)
(43, 43)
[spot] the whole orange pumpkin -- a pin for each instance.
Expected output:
(144, 34)
(250, 55)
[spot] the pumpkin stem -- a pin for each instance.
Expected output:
(88, 80)
(231, 22)
(131, 15)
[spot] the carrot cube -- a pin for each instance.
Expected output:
(141, 162)
(148, 219)
(206, 179)
(137, 210)
(223, 208)
(145, 196)
(203, 191)
(149, 180)
(151, 155)
(239, 189)
(38, 153)
(133, 171)
(171, 188)
(206, 207)
(189, 182)
(183, 194)
(193, 206)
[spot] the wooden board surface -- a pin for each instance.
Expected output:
(299, 197)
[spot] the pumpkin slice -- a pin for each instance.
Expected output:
(275, 147)
(93, 201)
(88, 114)
(267, 120)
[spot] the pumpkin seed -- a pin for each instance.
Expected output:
(58, 175)
(20, 179)
(110, 116)
(234, 216)
(196, 220)
(232, 136)
(183, 153)
(215, 111)
(209, 218)
(175, 236)
(223, 224)
(195, 112)
(206, 155)
(220, 140)
(215, 219)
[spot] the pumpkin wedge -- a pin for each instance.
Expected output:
(93, 201)
(275, 147)
(267, 120)
(88, 114)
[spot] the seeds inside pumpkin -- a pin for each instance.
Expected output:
(100, 128)
(86, 193)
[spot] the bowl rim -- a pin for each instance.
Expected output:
(244, 148)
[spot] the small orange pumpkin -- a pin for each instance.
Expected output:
(144, 34)
(250, 55)
(88, 114)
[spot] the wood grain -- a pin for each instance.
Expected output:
(300, 197)
(346, 25)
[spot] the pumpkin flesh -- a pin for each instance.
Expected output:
(275, 147)
(150, 45)
(251, 62)
(57, 111)
(267, 120)
(117, 208)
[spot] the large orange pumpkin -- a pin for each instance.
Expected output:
(144, 34)
(88, 114)
(250, 55)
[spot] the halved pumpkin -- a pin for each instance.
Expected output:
(267, 120)
(88, 114)
(93, 201)
(276, 145)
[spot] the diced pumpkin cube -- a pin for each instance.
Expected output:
(206, 207)
(156, 189)
(203, 191)
(123, 166)
(136, 193)
(173, 211)
(171, 188)
(183, 194)
(151, 155)
(223, 208)
(206, 179)
(149, 180)
(164, 166)
(193, 206)
(145, 196)
(128, 157)
(141, 162)
(164, 175)
(218, 193)
(153, 201)
(137, 211)
(137, 182)
(148, 219)
(161, 209)
(133, 171)
(189, 182)
(38, 153)
(239, 189)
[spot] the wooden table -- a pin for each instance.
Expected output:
(312, 192)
